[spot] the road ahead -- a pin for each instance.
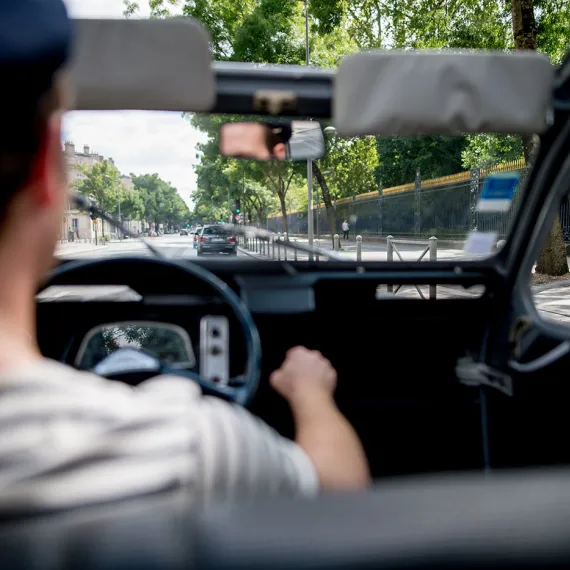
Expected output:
(171, 246)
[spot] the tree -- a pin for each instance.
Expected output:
(400, 157)
(101, 184)
(352, 163)
(552, 260)
(132, 205)
(161, 201)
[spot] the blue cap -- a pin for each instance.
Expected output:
(35, 41)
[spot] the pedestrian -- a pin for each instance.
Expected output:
(345, 228)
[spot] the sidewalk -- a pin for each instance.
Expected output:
(375, 240)
(75, 247)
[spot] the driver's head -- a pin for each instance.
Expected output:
(35, 37)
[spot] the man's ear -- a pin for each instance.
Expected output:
(48, 171)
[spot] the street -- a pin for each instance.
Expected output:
(171, 246)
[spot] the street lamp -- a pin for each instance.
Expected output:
(310, 225)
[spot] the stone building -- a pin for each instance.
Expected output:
(76, 224)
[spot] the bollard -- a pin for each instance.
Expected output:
(433, 257)
(273, 247)
(279, 247)
(285, 246)
(317, 246)
(358, 248)
(389, 257)
(336, 246)
(501, 244)
(295, 252)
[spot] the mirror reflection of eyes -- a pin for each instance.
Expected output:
(298, 140)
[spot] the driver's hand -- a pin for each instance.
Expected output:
(304, 372)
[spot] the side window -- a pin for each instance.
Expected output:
(551, 275)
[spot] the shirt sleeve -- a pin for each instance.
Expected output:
(240, 457)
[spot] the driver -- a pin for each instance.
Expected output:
(70, 438)
(259, 141)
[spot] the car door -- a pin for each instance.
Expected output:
(528, 343)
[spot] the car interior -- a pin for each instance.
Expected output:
(461, 403)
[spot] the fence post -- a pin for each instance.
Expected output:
(474, 191)
(317, 246)
(380, 208)
(417, 196)
(389, 257)
(433, 257)
(336, 242)
(358, 248)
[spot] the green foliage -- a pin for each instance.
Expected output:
(483, 150)
(435, 156)
(101, 184)
(161, 201)
(272, 31)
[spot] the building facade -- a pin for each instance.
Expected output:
(77, 225)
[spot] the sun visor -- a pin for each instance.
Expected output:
(424, 93)
(162, 65)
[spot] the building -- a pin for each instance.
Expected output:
(76, 224)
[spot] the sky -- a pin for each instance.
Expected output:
(140, 142)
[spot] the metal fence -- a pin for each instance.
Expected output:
(445, 207)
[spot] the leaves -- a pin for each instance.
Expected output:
(161, 201)
(101, 184)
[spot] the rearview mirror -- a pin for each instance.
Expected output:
(297, 140)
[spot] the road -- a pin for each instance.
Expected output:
(171, 246)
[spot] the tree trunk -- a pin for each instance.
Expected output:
(326, 199)
(552, 260)
(282, 195)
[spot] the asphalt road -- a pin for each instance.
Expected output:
(171, 246)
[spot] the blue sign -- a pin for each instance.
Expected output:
(498, 192)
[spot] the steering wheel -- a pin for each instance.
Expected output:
(140, 272)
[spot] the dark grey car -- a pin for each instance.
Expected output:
(216, 239)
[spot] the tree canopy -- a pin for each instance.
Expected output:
(272, 31)
(150, 199)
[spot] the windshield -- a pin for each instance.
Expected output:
(384, 198)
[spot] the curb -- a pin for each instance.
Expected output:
(242, 250)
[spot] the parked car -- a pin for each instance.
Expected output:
(216, 239)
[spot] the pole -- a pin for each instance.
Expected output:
(318, 215)
(310, 221)
(243, 194)
(120, 225)
(229, 207)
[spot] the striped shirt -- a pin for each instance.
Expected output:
(70, 438)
